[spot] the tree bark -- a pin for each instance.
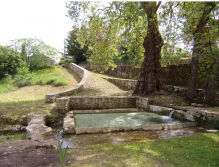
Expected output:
(150, 80)
(192, 89)
(211, 97)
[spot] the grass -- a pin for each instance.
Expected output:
(213, 109)
(31, 99)
(7, 138)
(49, 76)
(199, 151)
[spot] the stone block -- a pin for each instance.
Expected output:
(152, 127)
(36, 119)
(69, 124)
(172, 126)
(38, 131)
(189, 124)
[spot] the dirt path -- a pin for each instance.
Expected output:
(97, 86)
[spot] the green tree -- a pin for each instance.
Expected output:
(23, 52)
(33, 46)
(103, 29)
(10, 61)
(195, 22)
(211, 56)
(36, 51)
(73, 47)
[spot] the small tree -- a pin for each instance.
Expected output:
(74, 48)
(10, 61)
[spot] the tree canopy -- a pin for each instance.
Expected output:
(143, 28)
(33, 46)
(73, 47)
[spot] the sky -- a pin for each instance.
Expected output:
(44, 20)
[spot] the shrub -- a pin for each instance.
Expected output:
(64, 61)
(9, 61)
(23, 77)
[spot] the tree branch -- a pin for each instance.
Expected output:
(158, 5)
(102, 10)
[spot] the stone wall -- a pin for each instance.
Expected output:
(83, 74)
(177, 75)
(65, 104)
(126, 84)
(122, 71)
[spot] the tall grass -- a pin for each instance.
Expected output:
(49, 76)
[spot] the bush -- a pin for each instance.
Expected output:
(9, 61)
(64, 61)
(23, 77)
(40, 61)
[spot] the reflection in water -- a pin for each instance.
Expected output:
(75, 141)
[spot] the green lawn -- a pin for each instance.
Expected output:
(198, 151)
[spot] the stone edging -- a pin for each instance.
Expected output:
(127, 84)
(70, 128)
(83, 74)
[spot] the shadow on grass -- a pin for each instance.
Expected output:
(200, 150)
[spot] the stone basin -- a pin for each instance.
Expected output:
(114, 120)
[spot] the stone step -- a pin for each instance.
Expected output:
(38, 131)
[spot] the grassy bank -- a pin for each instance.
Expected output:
(198, 151)
(31, 99)
(50, 76)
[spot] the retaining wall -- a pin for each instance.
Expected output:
(66, 104)
(171, 74)
(83, 74)
(127, 84)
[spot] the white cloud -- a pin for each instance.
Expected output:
(44, 20)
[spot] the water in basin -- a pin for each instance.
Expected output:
(122, 119)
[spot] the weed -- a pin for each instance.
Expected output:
(62, 155)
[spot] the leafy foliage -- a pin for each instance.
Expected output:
(9, 61)
(39, 61)
(46, 76)
(33, 46)
(106, 30)
(23, 77)
(62, 155)
(64, 61)
(73, 47)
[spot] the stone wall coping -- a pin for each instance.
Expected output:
(120, 79)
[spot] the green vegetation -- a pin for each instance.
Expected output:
(7, 138)
(197, 151)
(47, 76)
(73, 47)
(31, 99)
(9, 61)
(64, 61)
(62, 155)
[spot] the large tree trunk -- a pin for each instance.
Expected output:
(192, 92)
(211, 97)
(150, 79)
